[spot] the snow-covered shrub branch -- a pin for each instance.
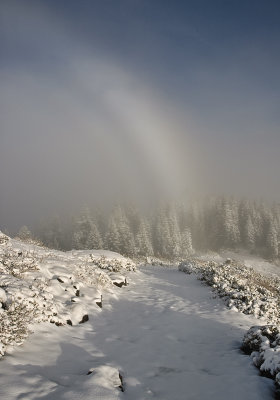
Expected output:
(249, 292)
(242, 288)
(114, 264)
(263, 344)
(17, 263)
(51, 286)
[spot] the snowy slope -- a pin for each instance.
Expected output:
(39, 285)
(265, 267)
(164, 333)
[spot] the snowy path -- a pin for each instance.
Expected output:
(166, 334)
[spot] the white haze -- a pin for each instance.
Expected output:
(91, 132)
(79, 126)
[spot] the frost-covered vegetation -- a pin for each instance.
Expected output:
(113, 265)
(170, 231)
(40, 285)
(242, 288)
(249, 292)
(263, 344)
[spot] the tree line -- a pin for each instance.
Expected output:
(170, 231)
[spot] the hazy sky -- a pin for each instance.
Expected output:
(108, 99)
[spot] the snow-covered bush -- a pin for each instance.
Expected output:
(242, 288)
(13, 326)
(44, 285)
(4, 239)
(27, 302)
(92, 277)
(263, 344)
(249, 292)
(16, 262)
(113, 265)
(188, 267)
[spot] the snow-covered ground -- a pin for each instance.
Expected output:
(164, 334)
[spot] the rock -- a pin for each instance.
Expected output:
(118, 284)
(118, 280)
(84, 319)
(122, 384)
(107, 376)
(3, 296)
(99, 302)
(79, 314)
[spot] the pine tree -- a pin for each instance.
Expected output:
(94, 240)
(86, 234)
(272, 242)
(121, 231)
(52, 234)
(126, 239)
(24, 233)
(161, 233)
(143, 241)
(174, 245)
(113, 237)
(249, 234)
(187, 248)
(134, 219)
(229, 229)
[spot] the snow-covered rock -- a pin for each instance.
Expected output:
(3, 296)
(118, 280)
(106, 377)
(79, 314)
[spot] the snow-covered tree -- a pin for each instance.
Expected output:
(143, 241)
(86, 234)
(161, 233)
(113, 237)
(126, 239)
(186, 243)
(120, 237)
(174, 245)
(24, 233)
(249, 239)
(272, 242)
(94, 240)
(51, 233)
(134, 218)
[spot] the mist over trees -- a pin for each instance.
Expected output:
(170, 231)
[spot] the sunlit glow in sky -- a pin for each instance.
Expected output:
(105, 100)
